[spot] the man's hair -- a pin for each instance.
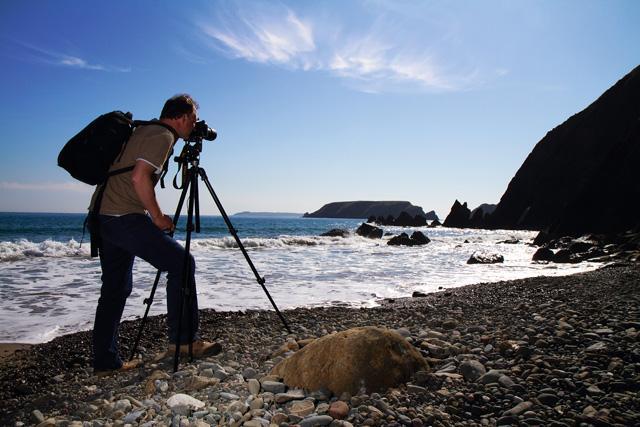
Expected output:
(177, 106)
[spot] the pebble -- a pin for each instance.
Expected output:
(253, 386)
(338, 410)
(471, 370)
(302, 408)
(318, 420)
(181, 399)
(274, 386)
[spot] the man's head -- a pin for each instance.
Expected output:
(181, 113)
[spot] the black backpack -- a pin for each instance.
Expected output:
(89, 155)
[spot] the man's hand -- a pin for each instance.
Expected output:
(164, 223)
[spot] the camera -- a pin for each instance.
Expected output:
(202, 131)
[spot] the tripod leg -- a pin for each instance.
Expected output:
(234, 233)
(186, 282)
(149, 301)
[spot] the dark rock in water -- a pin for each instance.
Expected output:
(370, 231)
(583, 175)
(435, 223)
(419, 238)
(543, 254)
(416, 239)
(485, 258)
(336, 232)
(510, 241)
(401, 240)
(418, 294)
(459, 216)
(405, 220)
(563, 256)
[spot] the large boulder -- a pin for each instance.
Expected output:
(400, 240)
(367, 357)
(419, 238)
(370, 231)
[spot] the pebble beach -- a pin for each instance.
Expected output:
(559, 351)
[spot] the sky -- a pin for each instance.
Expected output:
(313, 101)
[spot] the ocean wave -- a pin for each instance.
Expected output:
(275, 242)
(23, 248)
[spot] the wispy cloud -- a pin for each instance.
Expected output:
(51, 57)
(373, 60)
(45, 186)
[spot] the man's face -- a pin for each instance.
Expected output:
(186, 124)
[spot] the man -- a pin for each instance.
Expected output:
(132, 224)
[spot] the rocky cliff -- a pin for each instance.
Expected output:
(583, 176)
(365, 209)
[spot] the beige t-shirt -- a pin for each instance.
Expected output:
(149, 143)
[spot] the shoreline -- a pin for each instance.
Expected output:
(557, 319)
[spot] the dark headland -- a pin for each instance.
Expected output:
(367, 209)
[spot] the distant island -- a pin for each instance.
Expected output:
(367, 209)
(247, 214)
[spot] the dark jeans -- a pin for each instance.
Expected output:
(124, 238)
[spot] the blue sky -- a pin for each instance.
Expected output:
(314, 101)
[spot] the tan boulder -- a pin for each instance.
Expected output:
(369, 357)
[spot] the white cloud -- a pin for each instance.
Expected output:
(373, 59)
(45, 186)
(55, 58)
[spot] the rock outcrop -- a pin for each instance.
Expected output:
(583, 176)
(367, 357)
(366, 209)
(370, 231)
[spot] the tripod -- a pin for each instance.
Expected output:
(189, 160)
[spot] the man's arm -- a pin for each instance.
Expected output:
(141, 178)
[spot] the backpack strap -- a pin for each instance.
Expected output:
(165, 166)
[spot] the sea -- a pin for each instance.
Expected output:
(49, 284)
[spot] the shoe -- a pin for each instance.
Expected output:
(129, 365)
(200, 348)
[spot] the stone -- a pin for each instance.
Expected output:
(543, 254)
(369, 231)
(256, 403)
(198, 382)
(318, 420)
(401, 240)
(238, 406)
(419, 238)
(253, 386)
(279, 418)
(274, 386)
(180, 399)
(249, 373)
(36, 416)
(520, 408)
(133, 417)
(336, 232)
(490, 377)
(296, 394)
(547, 399)
(302, 408)
(471, 370)
(368, 357)
(338, 410)
(49, 422)
(485, 258)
